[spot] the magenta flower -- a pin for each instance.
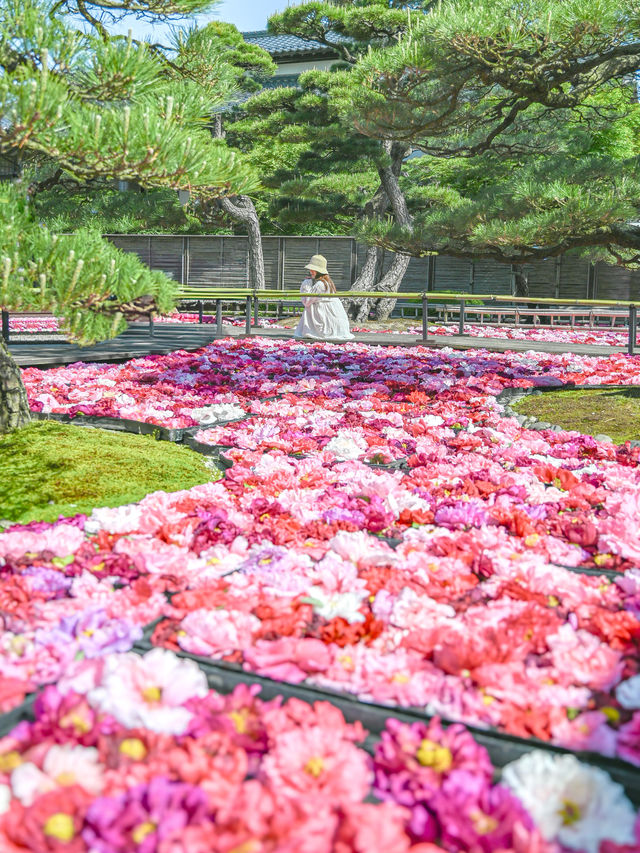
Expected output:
(413, 761)
(475, 816)
(143, 817)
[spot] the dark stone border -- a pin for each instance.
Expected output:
(502, 747)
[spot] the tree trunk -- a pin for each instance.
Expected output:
(389, 176)
(358, 309)
(243, 210)
(521, 280)
(14, 406)
(391, 282)
(521, 287)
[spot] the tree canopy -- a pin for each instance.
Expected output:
(528, 121)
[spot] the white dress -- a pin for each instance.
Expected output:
(324, 319)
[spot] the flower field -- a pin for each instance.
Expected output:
(382, 532)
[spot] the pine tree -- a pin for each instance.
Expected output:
(99, 109)
(335, 150)
(528, 119)
(250, 65)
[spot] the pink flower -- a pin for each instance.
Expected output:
(288, 659)
(311, 762)
(215, 632)
(629, 740)
(579, 656)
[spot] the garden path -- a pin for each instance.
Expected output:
(137, 341)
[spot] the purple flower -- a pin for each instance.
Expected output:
(143, 817)
(48, 580)
(94, 633)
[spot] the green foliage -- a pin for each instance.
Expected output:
(92, 286)
(84, 111)
(107, 109)
(68, 206)
(528, 124)
(49, 469)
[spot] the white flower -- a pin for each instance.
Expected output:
(346, 445)
(63, 766)
(572, 803)
(331, 605)
(5, 798)
(217, 412)
(628, 693)
(149, 691)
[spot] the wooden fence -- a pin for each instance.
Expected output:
(223, 261)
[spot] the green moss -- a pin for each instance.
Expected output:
(49, 469)
(612, 412)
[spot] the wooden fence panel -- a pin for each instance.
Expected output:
(222, 261)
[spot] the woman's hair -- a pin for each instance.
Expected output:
(328, 281)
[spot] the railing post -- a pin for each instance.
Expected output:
(280, 309)
(633, 318)
(247, 328)
(200, 311)
(425, 317)
(151, 329)
(256, 310)
(5, 326)
(218, 316)
(461, 323)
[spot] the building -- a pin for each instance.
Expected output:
(292, 55)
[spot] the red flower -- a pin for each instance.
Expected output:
(53, 823)
(342, 633)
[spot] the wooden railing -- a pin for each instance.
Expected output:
(463, 302)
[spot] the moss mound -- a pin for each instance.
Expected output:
(615, 413)
(49, 469)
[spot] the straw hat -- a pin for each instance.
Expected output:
(319, 264)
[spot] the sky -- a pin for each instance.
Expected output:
(245, 14)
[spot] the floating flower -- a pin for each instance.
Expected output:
(571, 802)
(149, 691)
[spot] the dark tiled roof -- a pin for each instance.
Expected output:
(286, 45)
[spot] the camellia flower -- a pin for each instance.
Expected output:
(332, 605)
(143, 817)
(628, 692)
(93, 633)
(571, 802)
(149, 691)
(62, 766)
(315, 764)
(52, 823)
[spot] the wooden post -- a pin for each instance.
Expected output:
(5, 326)
(151, 329)
(633, 318)
(461, 323)
(256, 310)
(425, 317)
(200, 311)
(218, 316)
(247, 328)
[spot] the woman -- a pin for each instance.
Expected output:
(325, 319)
